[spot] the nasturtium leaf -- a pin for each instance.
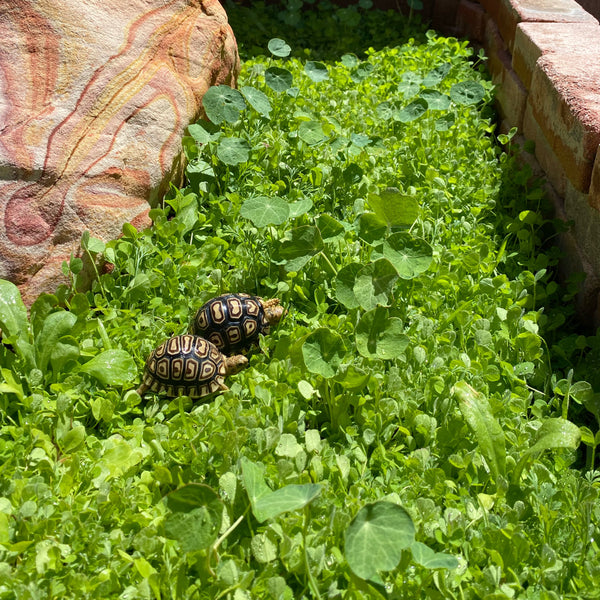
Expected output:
(329, 227)
(278, 47)
(374, 283)
(384, 111)
(371, 228)
(195, 516)
(111, 367)
(300, 207)
(360, 139)
(344, 285)
(258, 100)
(56, 325)
(323, 351)
(410, 256)
(380, 336)
(445, 122)
(553, 434)
(376, 538)
(435, 100)
(204, 132)
(394, 207)
(436, 75)
(411, 111)
(410, 84)
(223, 103)
(362, 71)
(349, 60)
(278, 79)
(285, 499)
(233, 151)
(253, 477)
(352, 174)
(352, 378)
(467, 92)
(477, 413)
(264, 210)
(317, 71)
(302, 244)
(430, 559)
(311, 132)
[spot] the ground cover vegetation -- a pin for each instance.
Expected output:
(419, 424)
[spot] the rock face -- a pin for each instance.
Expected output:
(94, 98)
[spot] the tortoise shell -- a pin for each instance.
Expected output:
(188, 365)
(233, 322)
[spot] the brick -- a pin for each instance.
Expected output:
(470, 20)
(565, 104)
(509, 13)
(495, 48)
(544, 153)
(533, 40)
(511, 97)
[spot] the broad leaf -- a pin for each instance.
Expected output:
(467, 92)
(436, 75)
(222, 103)
(553, 434)
(376, 538)
(278, 47)
(374, 283)
(380, 336)
(195, 516)
(233, 151)
(344, 285)
(278, 79)
(48, 342)
(263, 210)
(111, 367)
(305, 241)
(317, 71)
(411, 111)
(394, 207)
(285, 499)
(477, 412)
(430, 559)
(258, 100)
(435, 100)
(323, 352)
(311, 132)
(410, 256)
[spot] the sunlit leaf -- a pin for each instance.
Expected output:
(111, 367)
(223, 103)
(317, 71)
(278, 47)
(263, 210)
(311, 132)
(380, 336)
(233, 151)
(258, 100)
(278, 79)
(376, 538)
(374, 283)
(411, 111)
(467, 92)
(323, 351)
(394, 207)
(410, 256)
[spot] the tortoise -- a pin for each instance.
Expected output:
(188, 365)
(233, 322)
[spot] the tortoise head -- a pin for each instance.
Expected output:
(273, 311)
(235, 364)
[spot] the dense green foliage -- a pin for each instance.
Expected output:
(404, 432)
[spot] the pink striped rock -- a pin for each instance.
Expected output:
(94, 99)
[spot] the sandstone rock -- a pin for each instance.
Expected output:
(94, 98)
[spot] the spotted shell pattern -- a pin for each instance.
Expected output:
(185, 365)
(232, 322)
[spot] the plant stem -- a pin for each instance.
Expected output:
(311, 580)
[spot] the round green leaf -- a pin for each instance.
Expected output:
(410, 84)
(317, 71)
(436, 75)
(394, 207)
(300, 207)
(233, 151)
(467, 92)
(349, 60)
(311, 132)
(435, 100)
(411, 111)
(374, 283)
(278, 47)
(384, 111)
(323, 351)
(410, 256)
(444, 123)
(376, 537)
(344, 285)
(379, 336)
(301, 245)
(258, 100)
(430, 559)
(263, 211)
(278, 79)
(361, 72)
(222, 103)
(195, 517)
